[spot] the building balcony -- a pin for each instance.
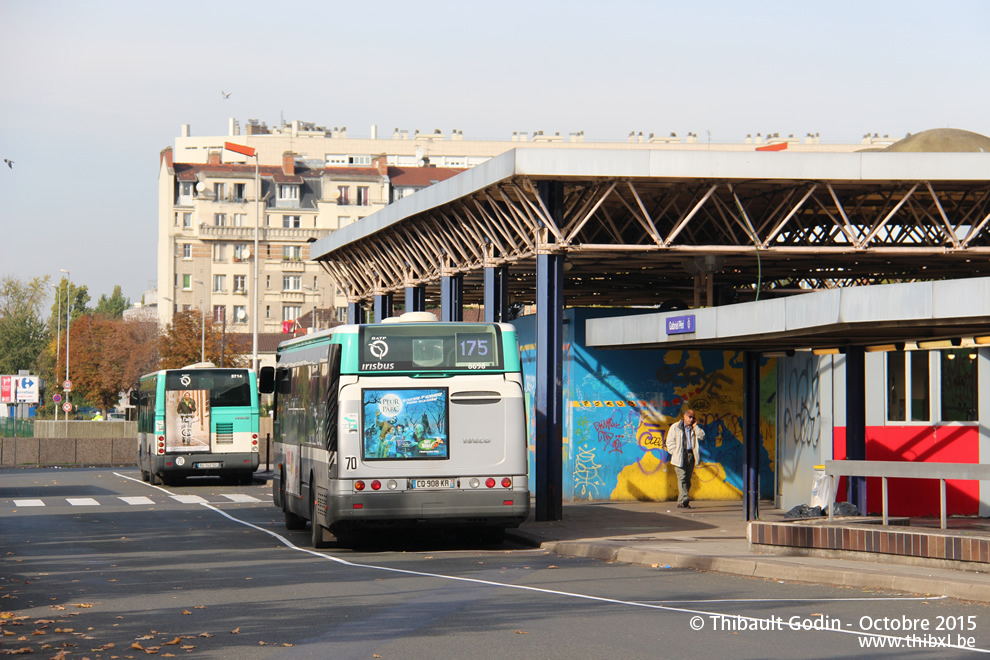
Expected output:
(246, 234)
(293, 265)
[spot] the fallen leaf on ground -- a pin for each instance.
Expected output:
(206, 634)
(235, 630)
(177, 640)
(521, 632)
(84, 605)
(186, 612)
(146, 637)
(137, 646)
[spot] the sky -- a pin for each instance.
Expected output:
(91, 92)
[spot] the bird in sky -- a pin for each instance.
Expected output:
(226, 95)
(9, 162)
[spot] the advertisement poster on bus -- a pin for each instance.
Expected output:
(405, 424)
(187, 420)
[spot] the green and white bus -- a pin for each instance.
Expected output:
(198, 420)
(410, 422)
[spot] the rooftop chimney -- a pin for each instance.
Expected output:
(288, 163)
(214, 157)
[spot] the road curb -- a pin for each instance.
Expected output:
(760, 568)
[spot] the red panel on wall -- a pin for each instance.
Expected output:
(926, 444)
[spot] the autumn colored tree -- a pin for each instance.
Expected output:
(109, 356)
(182, 341)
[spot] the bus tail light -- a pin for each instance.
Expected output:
(161, 444)
(506, 482)
(359, 485)
(376, 485)
(490, 482)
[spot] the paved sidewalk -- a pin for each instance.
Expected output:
(712, 537)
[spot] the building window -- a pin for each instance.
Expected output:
(959, 385)
(268, 281)
(239, 283)
(187, 188)
(238, 192)
(240, 314)
(241, 253)
(240, 219)
(343, 195)
(362, 198)
(187, 251)
(187, 220)
(360, 160)
(220, 190)
(291, 312)
(292, 221)
(220, 314)
(335, 160)
(219, 219)
(288, 191)
(220, 253)
(187, 282)
(219, 283)
(291, 253)
(268, 311)
(186, 308)
(291, 283)
(908, 386)
(342, 315)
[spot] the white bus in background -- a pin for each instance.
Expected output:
(410, 422)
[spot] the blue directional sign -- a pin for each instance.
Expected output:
(678, 325)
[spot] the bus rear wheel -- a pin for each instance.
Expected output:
(154, 479)
(293, 522)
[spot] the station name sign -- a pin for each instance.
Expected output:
(679, 325)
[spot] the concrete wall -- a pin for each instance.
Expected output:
(83, 444)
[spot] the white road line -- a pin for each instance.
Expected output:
(137, 500)
(241, 497)
(188, 499)
(553, 592)
(29, 503)
(82, 501)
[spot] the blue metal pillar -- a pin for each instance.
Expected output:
(856, 422)
(751, 435)
(355, 313)
(549, 366)
(496, 294)
(452, 298)
(383, 306)
(416, 298)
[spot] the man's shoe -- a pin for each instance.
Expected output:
(687, 505)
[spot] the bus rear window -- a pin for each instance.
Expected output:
(227, 388)
(461, 347)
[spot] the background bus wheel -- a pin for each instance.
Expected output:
(154, 479)
(319, 541)
(144, 476)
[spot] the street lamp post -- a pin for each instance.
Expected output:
(312, 321)
(202, 324)
(68, 319)
(58, 337)
(251, 152)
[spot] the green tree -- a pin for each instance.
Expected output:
(22, 330)
(78, 298)
(114, 306)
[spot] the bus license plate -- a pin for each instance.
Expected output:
(207, 466)
(433, 483)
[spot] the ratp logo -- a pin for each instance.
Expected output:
(185, 380)
(378, 348)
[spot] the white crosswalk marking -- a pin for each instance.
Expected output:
(137, 500)
(82, 501)
(28, 503)
(241, 497)
(188, 499)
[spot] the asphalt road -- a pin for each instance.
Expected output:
(97, 564)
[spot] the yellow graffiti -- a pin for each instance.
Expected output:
(651, 480)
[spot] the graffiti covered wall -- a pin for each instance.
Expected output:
(618, 406)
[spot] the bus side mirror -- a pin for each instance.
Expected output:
(266, 382)
(284, 382)
(133, 397)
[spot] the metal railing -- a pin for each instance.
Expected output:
(906, 470)
(11, 427)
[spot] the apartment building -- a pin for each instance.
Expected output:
(307, 182)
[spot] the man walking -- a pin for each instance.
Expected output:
(682, 443)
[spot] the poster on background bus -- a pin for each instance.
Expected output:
(187, 420)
